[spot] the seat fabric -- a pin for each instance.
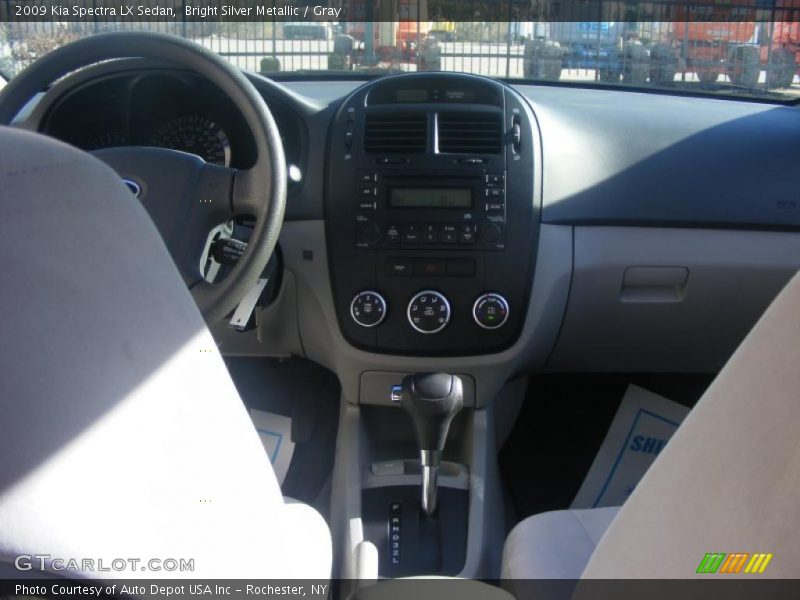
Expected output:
(122, 435)
(727, 482)
(554, 545)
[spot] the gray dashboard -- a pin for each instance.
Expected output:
(617, 157)
(668, 224)
(610, 157)
(648, 159)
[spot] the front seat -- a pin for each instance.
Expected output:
(122, 436)
(728, 481)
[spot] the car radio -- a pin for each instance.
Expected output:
(432, 215)
(448, 211)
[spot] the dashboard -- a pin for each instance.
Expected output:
(607, 230)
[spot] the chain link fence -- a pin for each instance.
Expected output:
(709, 50)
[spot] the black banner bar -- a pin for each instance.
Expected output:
(740, 588)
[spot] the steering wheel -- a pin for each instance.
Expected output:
(185, 196)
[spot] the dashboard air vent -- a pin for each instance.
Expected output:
(470, 132)
(396, 132)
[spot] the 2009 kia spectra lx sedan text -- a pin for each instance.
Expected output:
(309, 308)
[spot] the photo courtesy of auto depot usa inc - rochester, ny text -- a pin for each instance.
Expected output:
(161, 590)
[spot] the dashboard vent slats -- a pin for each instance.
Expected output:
(396, 132)
(470, 133)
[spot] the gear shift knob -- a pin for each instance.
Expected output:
(432, 400)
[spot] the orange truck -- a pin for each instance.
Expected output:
(714, 40)
(711, 40)
(711, 49)
(782, 54)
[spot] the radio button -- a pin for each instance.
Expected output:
(430, 234)
(367, 205)
(449, 234)
(368, 308)
(367, 177)
(393, 234)
(490, 311)
(495, 207)
(495, 193)
(495, 179)
(367, 190)
(410, 234)
(428, 312)
(467, 234)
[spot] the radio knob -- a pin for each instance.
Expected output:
(428, 312)
(490, 233)
(367, 233)
(368, 308)
(490, 311)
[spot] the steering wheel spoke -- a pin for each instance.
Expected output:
(184, 196)
(208, 205)
(214, 195)
(248, 191)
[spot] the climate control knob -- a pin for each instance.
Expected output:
(428, 312)
(368, 308)
(490, 311)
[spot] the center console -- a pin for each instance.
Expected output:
(431, 231)
(432, 227)
(416, 487)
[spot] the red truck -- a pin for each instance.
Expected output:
(730, 42)
(782, 55)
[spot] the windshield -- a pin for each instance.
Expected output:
(738, 48)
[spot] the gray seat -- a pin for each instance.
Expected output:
(728, 481)
(121, 432)
(555, 545)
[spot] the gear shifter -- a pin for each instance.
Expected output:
(432, 400)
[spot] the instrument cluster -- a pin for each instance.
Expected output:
(165, 109)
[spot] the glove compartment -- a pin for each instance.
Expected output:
(668, 300)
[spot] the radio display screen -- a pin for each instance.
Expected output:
(430, 197)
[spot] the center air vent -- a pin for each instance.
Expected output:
(396, 132)
(470, 132)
